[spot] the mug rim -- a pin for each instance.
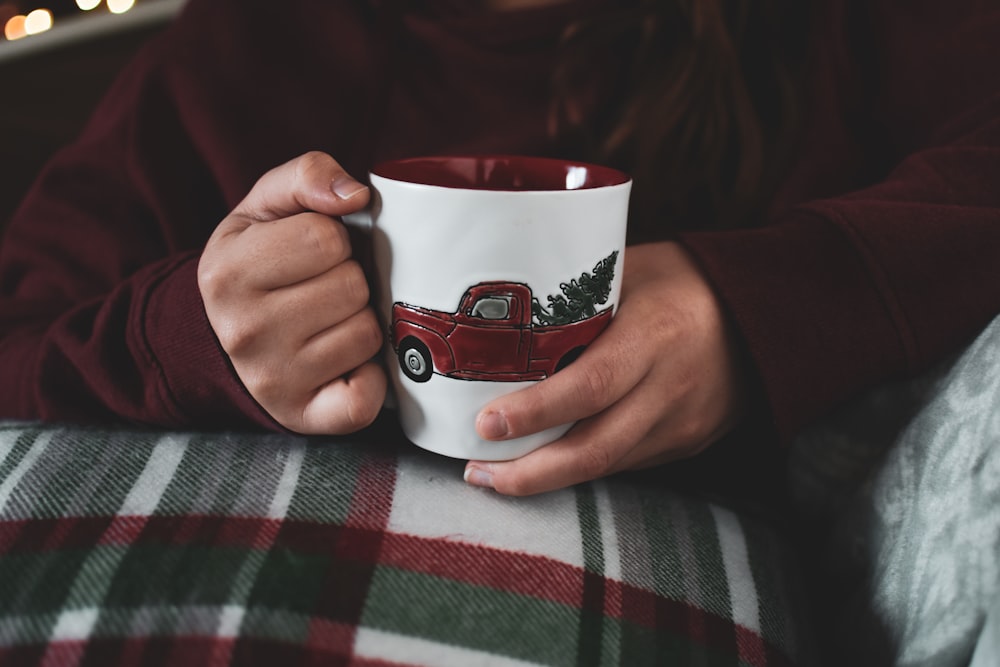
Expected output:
(523, 173)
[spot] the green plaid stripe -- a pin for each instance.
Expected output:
(128, 547)
(591, 624)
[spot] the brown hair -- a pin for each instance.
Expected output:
(705, 108)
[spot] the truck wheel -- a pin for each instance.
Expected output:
(415, 360)
(569, 358)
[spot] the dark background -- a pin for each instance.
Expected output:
(47, 93)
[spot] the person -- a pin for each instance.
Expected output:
(815, 211)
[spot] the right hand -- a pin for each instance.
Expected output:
(288, 303)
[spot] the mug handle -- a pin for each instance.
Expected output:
(363, 222)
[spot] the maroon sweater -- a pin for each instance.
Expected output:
(881, 255)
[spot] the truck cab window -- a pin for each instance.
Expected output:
(492, 308)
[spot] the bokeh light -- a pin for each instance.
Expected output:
(14, 28)
(17, 25)
(120, 6)
(37, 21)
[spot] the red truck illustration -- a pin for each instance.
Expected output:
(492, 336)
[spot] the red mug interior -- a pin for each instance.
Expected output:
(501, 173)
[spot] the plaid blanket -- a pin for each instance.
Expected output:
(131, 547)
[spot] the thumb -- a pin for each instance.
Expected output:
(311, 182)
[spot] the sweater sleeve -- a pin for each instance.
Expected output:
(101, 319)
(839, 294)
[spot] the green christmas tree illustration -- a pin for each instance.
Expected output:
(580, 296)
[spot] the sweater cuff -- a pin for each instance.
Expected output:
(809, 310)
(198, 376)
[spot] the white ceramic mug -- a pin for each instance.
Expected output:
(493, 272)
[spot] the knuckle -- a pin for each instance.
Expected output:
(532, 410)
(327, 236)
(512, 485)
(594, 461)
(596, 391)
(369, 332)
(237, 337)
(316, 170)
(261, 183)
(215, 280)
(354, 288)
(265, 386)
(209, 284)
(688, 434)
(314, 165)
(361, 411)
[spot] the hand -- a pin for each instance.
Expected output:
(290, 306)
(662, 383)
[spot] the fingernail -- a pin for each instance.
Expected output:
(476, 476)
(346, 187)
(493, 425)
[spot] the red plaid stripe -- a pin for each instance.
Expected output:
(323, 584)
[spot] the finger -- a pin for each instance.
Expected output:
(311, 182)
(261, 333)
(346, 404)
(314, 305)
(594, 448)
(337, 350)
(277, 255)
(286, 383)
(606, 372)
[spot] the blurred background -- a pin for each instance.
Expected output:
(57, 57)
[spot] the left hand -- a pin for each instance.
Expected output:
(662, 383)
